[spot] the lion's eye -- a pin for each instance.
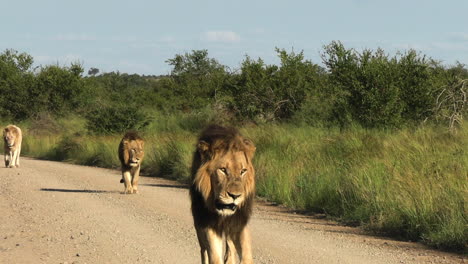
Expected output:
(243, 171)
(223, 170)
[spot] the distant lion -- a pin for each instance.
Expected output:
(12, 138)
(131, 154)
(222, 192)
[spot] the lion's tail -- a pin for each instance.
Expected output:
(121, 180)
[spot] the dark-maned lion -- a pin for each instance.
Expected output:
(222, 192)
(131, 155)
(12, 138)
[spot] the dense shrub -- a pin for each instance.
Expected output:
(116, 119)
(197, 79)
(368, 84)
(267, 92)
(378, 90)
(15, 79)
(370, 88)
(58, 90)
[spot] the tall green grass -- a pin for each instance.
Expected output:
(410, 183)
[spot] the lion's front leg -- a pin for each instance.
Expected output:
(127, 177)
(7, 161)
(18, 156)
(230, 255)
(14, 162)
(11, 157)
(135, 178)
(202, 240)
(243, 244)
(211, 245)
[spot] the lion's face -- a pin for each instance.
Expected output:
(229, 175)
(9, 137)
(226, 178)
(135, 152)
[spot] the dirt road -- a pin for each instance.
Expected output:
(54, 212)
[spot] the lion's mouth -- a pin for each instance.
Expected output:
(222, 206)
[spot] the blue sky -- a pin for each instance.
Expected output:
(139, 36)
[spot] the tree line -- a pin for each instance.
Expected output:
(370, 88)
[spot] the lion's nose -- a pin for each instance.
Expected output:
(234, 196)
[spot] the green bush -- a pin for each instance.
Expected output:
(116, 119)
(377, 90)
(368, 85)
(267, 92)
(16, 78)
(197, 79)
(58, 90)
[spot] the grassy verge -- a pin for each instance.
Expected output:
(412, 184)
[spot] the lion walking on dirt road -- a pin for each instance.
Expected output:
(131, 154)
(222, 192)
(12, 138)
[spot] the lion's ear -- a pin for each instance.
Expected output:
(250, 148)
(203, 148)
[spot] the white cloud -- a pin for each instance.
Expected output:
(221, 36)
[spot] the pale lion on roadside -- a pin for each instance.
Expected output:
(131, 154)
(12, 138)
(222, 192)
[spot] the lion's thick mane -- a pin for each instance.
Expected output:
(219, 140)
(124, 147)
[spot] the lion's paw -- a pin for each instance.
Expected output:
(128, 190)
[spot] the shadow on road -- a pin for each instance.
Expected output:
(72, 191)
